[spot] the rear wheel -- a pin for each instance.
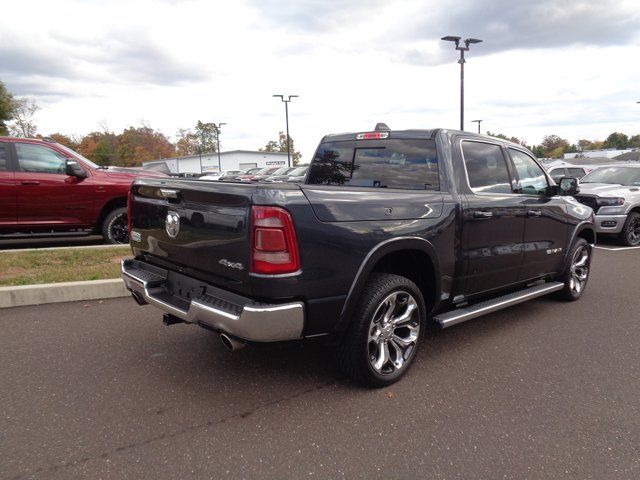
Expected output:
(576, 274)
(630, 234)
(114, 228)
(385, 332)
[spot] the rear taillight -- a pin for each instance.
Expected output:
(274, 248)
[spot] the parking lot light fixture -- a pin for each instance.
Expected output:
(478, 122)
(218, 127)
(464, 47)
(286, 114)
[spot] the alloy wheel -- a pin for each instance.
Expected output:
(393, 332)
(579, 270)
(119, 229)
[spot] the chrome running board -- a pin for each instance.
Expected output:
(463, 314)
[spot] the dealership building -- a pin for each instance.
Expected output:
(209, 162)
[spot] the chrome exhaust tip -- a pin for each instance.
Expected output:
(231, 343)
(139, 300)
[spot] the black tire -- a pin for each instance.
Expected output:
(576, 273)
(357, 351)
(114, 227)
(630, 235)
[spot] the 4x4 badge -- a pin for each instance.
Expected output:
(173, 224)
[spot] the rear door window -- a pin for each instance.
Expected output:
(401, 164)
(486, 168)
(575, 172)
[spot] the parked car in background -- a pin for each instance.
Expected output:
(220, 176)
(613, 192)
(264, 173)
(559, 172)
(47, 187)
(298, 175)
(279, 175)
(243, 176)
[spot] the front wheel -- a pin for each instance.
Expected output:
(385, 332)
(114, 228)
(630, 234)
(576, 273)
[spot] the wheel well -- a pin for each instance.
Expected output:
(108, 207)
(588, 235)
(415, 265)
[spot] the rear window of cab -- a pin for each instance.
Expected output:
(392, 163)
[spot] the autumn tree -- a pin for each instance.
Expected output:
(65, 140)
(100, 147)
(24, 124)
(281, 146)
(6, 109)
(187, 143)
(141, 144)
(554, 146)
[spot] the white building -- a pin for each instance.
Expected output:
(207, 163)
(606, 153)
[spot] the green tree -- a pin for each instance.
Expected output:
(187, 143)
(281, 146)
(206, 135)
(6, 109)
(634, 142)
(616, 140)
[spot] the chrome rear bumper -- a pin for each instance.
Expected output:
(216, 308)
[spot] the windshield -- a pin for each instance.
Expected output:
(298, 171)
(282, 170)
(614, 175)
(89, 163)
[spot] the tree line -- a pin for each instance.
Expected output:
(135, 145)
(128, 148)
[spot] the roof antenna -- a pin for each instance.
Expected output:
(382, 127)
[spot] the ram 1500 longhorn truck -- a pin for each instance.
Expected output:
(390, 229)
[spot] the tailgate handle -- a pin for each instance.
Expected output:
(482, 214)
(169, 193)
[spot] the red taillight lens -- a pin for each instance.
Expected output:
(274, 248)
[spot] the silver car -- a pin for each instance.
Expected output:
(614, 194)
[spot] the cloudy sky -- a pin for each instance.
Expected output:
(545, 67)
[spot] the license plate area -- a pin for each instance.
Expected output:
(184, 287)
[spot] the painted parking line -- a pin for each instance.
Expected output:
(616, 249)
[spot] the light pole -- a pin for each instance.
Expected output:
(478, 122)
(462, 49)
(286, 114)
(218, 127)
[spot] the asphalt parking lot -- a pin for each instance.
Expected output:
(545, 389)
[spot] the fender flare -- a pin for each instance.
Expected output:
(581, 227)
(375, 254)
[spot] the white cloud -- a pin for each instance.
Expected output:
(171, 63)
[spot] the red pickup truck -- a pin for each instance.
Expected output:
(47, 187)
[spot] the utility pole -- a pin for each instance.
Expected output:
(218, 127)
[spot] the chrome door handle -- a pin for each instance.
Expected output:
(534, 213)
(482, 214)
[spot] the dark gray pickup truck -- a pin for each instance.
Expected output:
(390, 230)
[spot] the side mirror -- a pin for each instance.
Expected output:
(569, 186)
(74, 169)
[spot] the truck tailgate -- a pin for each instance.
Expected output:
(200, 225)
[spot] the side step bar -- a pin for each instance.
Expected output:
(473, 311)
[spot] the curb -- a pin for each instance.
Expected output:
(61, 292)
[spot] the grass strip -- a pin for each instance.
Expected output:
(61, 265)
